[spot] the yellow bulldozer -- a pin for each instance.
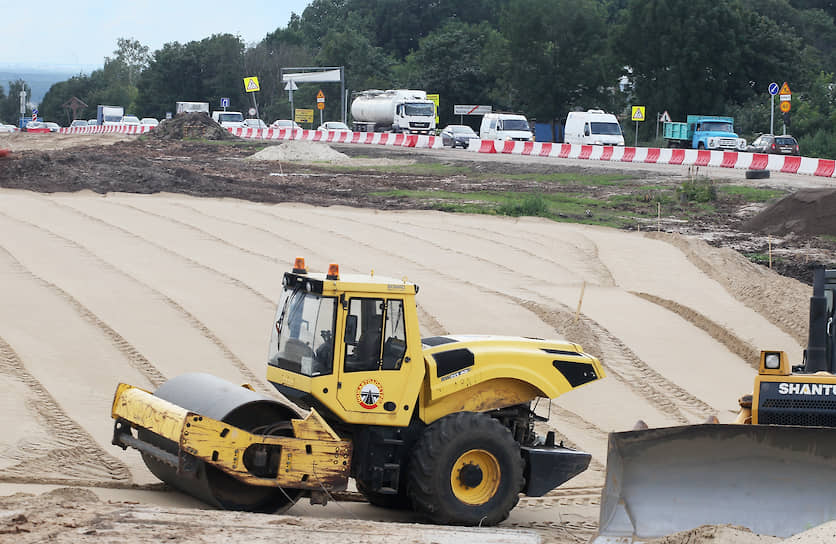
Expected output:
(443, 425)
(771, 471)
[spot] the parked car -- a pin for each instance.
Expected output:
(457, 135)
(36, 126)
(284, 123)
(53, 127)
(92, 122)
(150, 121)
(78, 123)
(336, 126)
(770, 143)
(130, 120)
(7, 128)
(255, 123)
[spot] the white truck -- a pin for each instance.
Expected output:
(592, 127)
(229, 119)
(398, 110)
(109, 115)
(192, 107)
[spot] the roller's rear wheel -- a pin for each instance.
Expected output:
(216, 398)
(466, 470)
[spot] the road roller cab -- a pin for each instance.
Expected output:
(444, 425)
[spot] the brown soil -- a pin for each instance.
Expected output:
(792, 228)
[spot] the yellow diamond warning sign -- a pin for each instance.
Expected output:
(637, 113)
(251, 84)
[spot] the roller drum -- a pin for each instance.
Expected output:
(238, 406)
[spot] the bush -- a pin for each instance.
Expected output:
(531, 205)
(697, 190)
(822, 145)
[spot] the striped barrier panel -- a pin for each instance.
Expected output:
(123, 129)
(332, 136)
(651, 155)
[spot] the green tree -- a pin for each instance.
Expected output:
(557, 57)
(449, 61)
(10, 105)
(198, 71)
(134, 57)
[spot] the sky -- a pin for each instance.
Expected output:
(76, 36)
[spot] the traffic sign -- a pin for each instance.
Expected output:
(773, 88)
(303, 116)
(320, 97)
(666, 117)
(465, 109)
(291, 86)
(785, 89)
(320, 105)
(785, 97)
(224, 102)
(637, 113)
(786, 106)
(251, 84)
(252, 111)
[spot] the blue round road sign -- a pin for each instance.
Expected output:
(773, 89)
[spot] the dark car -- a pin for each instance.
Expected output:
(457, 135)
(770, 143)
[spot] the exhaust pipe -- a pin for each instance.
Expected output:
(817, 359)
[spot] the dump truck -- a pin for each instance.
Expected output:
(704, 132)
(771, 471)
(396, 110)
(443, 425)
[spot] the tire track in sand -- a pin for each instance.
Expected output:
(77, 454)
(136, 359)
(134, 356)
(430, 323)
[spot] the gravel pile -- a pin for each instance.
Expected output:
(298, 150)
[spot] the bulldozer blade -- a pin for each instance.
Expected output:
(773, 479)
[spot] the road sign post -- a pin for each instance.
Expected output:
(251, 86)
(773, 90)
(637, 115)
(785, 95)
(469, 109)
(320, 104)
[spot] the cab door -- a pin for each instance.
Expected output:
(375, 367)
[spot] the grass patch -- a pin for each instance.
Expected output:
(751, 194)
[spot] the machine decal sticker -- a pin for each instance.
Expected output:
(369, 394)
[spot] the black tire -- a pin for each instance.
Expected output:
(757, 174)
(701, 146)
(392, 502)
(439, 487)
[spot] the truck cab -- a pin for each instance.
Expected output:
(704, 132)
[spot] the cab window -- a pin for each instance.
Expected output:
(375, 335)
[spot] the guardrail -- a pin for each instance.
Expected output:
(653, 155)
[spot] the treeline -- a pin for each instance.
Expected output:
(542, 58)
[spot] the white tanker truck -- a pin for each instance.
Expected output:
(398, 110)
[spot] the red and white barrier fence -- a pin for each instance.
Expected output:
(340, 137)
(652, 155)
(125, 129)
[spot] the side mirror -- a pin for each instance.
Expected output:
(586, 130)
(350, 330)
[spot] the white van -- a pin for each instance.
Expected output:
(229, 119)
(592, 127)
(505, 126)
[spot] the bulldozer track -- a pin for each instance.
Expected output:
(79, 448)
(133, 355)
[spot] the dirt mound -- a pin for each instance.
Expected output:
(193, 125)
(807, 211)
(709, 534)
(296, 150)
